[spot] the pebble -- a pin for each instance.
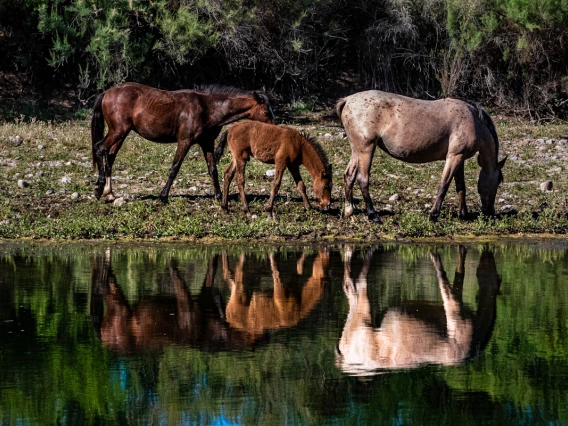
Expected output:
(119, 202)
(254, 217)
(270, 173)
(16, 140)
(65, 179)
(49, 192)
(394, 197)
(328, 136)
(388, 208)
(75, 195)
(193, 188)
(546, 186)
(40, 147)
(23, 183)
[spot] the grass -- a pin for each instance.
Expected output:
(57, 157)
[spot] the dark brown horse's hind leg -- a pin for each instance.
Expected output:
(459, 178)
(181, 152)
(212, 169)
(452, 164)
(100, 160)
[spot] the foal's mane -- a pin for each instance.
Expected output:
(311, 140)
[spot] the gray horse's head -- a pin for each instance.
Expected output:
(487, 185)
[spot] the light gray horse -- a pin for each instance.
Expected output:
(418, 131)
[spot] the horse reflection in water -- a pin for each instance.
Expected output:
(406, 338)
(178, 318)
(280, 308)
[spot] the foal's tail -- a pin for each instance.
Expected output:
(221, 147)
(97, 126)
(339, 107)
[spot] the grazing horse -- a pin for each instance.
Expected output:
(418, 333)
(285, 148)
(187, 117)
(418, 131)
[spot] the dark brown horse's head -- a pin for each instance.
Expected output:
(262, 111)
(322, 188)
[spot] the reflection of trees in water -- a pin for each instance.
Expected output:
(417, 332)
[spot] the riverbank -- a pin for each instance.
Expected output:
(47, 183)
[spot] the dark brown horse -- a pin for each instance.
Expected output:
(285, 148)
(418, 131)
(187, 117)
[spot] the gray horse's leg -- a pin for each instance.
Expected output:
(349, 176)
(459, 178)
(365, 161)
(452, 164)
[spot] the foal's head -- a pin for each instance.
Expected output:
(487, 186)
(262, 111)
(322, 188)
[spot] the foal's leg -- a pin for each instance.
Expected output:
(181, 151)
(459, 178)
(279, 172)
(295, 171)
(241, 164)
(452, 164)
(227, 179)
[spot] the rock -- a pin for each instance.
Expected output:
(49, 192)
(193, 188)
(119, 202)
(546, 186)
(65, 179)
(16, 140)
(539, 141)
(23, 184)
(550, 141)
(75, 195)
(41, 147)
(270, 173)
(507, 207)
(428, 206)
(394, 197)
(254, 217)
(39, 174)
(328, 136)
(501, 200)
(388, 208)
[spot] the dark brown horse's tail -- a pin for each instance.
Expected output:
(221, 147)
(339, 107)
(97, 126)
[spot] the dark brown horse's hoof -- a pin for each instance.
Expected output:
(163, 199)
(434, 218)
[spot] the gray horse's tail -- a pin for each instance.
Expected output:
(97, 127)
(339, 107)
(221, 147)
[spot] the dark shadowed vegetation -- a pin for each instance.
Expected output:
(508, 54)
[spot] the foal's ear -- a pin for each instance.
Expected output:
(257, 97)
(502, 162)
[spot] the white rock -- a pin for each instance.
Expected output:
(394, 197)
(270, 173)
(119, 202)
(546, 186)
(23, 183)
(75, 195)
(65, 179)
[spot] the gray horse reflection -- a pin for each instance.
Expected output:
(406, 337)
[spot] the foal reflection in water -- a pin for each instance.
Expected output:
(176, 317)
(405, 338)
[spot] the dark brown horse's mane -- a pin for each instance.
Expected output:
(319, 150)
(219, 89)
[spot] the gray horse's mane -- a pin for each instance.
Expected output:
(486, 119)
(319, 150)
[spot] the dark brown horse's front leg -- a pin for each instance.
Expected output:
(181, 152)
(212, 169)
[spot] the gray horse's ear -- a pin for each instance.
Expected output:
(502, 163)
(257, 97)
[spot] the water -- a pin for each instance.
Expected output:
(390, 334)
